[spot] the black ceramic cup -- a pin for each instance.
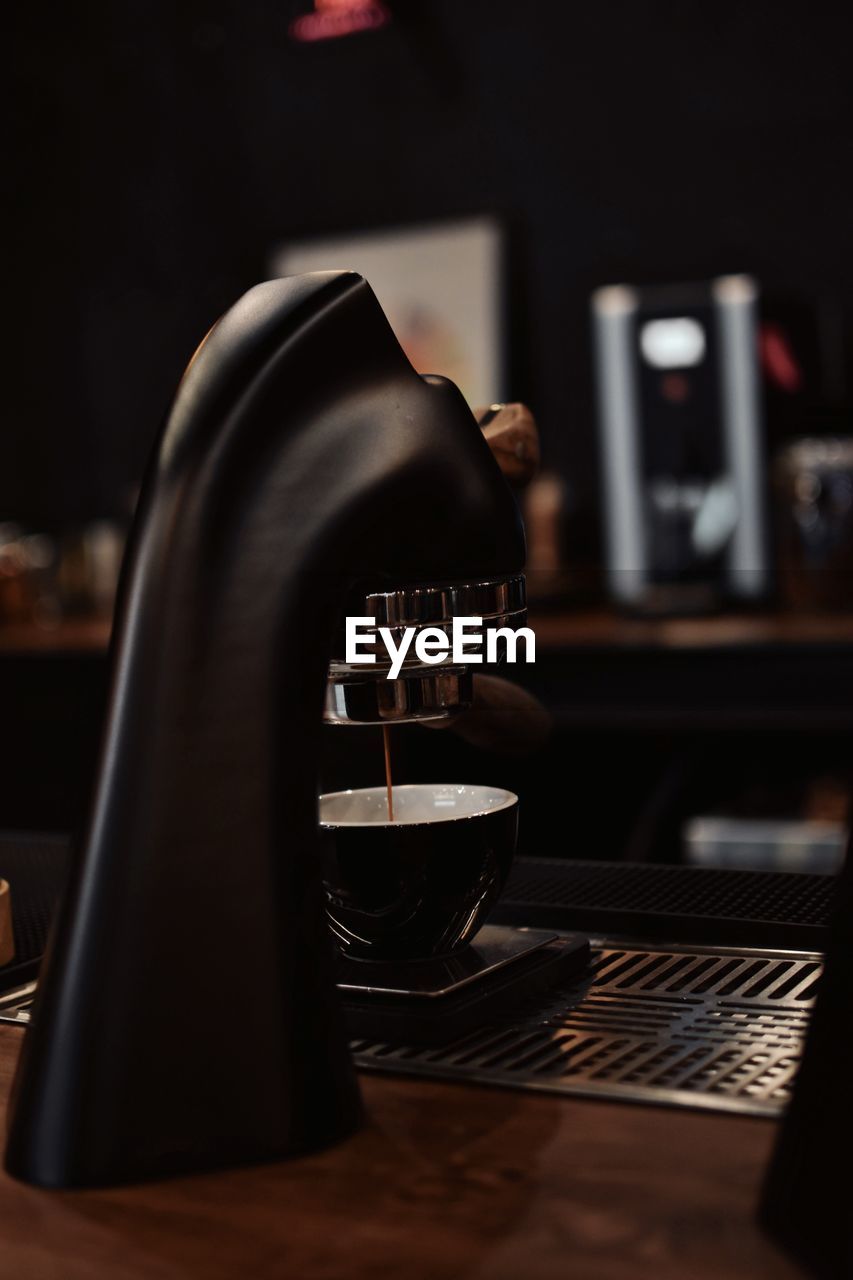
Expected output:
(422, 885)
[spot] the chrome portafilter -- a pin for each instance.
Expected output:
(362, 692)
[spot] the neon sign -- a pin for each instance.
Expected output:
(331, 19)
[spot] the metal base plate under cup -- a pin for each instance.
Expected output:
(432, 1001)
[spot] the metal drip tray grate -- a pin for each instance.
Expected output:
(702, 1025)
(702, 906)
(710, 1028)
(717, 1029)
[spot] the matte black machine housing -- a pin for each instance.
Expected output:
(303, 456)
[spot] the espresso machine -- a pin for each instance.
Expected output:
(305, 471)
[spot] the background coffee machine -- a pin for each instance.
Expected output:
(681, 435)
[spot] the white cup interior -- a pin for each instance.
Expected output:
(413, 803)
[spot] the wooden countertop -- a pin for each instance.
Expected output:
(444, 1181)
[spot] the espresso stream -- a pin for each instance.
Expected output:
(389, 785)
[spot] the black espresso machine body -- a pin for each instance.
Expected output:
(302, 455)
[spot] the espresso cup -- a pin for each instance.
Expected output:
(422, 885)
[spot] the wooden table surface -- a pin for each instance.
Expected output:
(444, 1180)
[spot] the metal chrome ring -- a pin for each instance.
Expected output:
(492, 598)
(338, 667)
(435, 694)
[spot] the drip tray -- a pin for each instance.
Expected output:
(720, 1029)
(714, 1028)
(700, 1024)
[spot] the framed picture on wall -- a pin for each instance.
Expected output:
(441, 286)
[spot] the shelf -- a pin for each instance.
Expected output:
(605, 629)
(598, 629)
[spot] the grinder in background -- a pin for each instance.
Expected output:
(681, 433)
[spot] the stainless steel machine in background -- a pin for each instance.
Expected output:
(681, 433)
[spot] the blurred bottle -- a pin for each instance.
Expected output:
(45, 579)
(814, 491)
(27, 564)
(88, 570)
(545, 509)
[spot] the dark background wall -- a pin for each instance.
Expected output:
(164, 148)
